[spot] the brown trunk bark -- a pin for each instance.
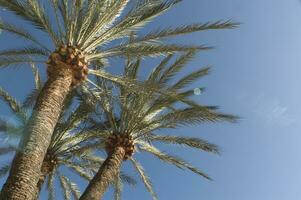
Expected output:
(25, 171)
(105, 175)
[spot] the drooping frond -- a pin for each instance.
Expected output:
(33, 12)
(4, 169)
(22, 34)
(73, 142)
(145, 179)
(78, 170)
(92, 160)
(13, 104)
(75, 118)
(128, 179)
(3, 125)
(31, 98)
(130, 84)
(17, 61)
(74, 189)
(37, 78)
(27, 51)
(22, 9)
(118, 186)
(65, 187)
(6, 150)
(131, 69)
(180, 163)
(10, 130)
(87, 148)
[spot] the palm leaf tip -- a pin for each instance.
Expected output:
(145, 179)
(229, 118)
(168, 32)
(4, 169)
(174, 160)
(192, 142)
(221, 24)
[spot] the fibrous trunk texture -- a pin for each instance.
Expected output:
(26, 167)
(105, 175)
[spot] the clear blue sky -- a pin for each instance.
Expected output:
(256, 75)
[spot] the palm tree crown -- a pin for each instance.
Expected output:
(131, 120)
(83, 31)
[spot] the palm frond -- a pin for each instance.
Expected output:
(4, 169)
(86, 148)
(37, 78)
(39, 18)
(168, 32)
(111, 13)
(188, 79)
(10, 130)
(132, 68)
(31, 98)
(145, 179)
(78, 170)
(65, 187)
(194, 115)
(142, 50)
(177, 66)
(6, 150)
(22, 34)
(128, 179)
(13, 104)
(180, 163)
(137, 17)
(74, 190)
(28, 51)
(23, 10)
(155, 74)
(186, 141)
(118, 186)
(17, 61)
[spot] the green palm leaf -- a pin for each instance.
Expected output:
(19, 32)
(65, 187)
(186, 141)
(180, 163)
(145, 179)
(4, 169)
(168, 32)
(13, 104)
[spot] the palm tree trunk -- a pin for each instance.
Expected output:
(105, 175)
(25, 171)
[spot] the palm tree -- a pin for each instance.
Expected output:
(131, 120)
(67, 148)
(81, 31)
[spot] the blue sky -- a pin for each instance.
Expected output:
(256, 75)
